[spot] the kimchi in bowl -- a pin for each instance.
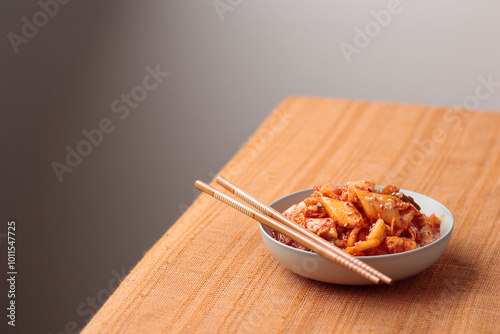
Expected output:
(397, 266)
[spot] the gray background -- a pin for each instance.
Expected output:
(74, 237)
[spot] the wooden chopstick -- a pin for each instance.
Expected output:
(296, 235)
(284, 220)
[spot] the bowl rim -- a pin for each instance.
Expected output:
(374, 257)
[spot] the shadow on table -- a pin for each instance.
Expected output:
(443, 282)
(424, 299)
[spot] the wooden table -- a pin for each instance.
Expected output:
(210, 272)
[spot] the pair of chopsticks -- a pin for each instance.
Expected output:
(280, 223)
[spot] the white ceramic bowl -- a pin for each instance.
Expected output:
(396, 266)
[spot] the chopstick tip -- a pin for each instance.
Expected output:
(198, 184)
(220, 179)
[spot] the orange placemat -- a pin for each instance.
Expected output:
(211, 272)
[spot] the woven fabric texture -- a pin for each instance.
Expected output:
(210, 272)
